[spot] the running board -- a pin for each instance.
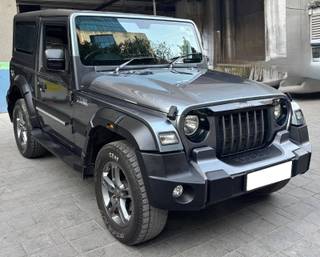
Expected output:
(58, 149)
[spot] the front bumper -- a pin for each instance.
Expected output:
(208, 180)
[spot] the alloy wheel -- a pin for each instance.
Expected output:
(21, 129)
(116, 194)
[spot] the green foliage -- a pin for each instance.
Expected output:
(163, 52)
(314, 4)
(131, 48)
(136, 47)
(185, 47)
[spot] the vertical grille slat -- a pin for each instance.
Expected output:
(241, 131)
(232, 133)
(255, 135)
(262, 127)
(248, 129)
(224, 134)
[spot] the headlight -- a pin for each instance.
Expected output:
(196, 125)
(277, 111)
(297, 115)
(191, 125)
(280, 111)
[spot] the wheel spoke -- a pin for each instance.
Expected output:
(123, 211)
(125, 197)
(21, 137)
(112, 208)
(106, 196)
(21, 119)
(108, 183)
(18, 131)
(24, 136)
(116, 176)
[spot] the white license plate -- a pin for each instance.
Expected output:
(269, 176)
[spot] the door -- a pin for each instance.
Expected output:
(54, 83)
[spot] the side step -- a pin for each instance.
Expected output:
(58, 150)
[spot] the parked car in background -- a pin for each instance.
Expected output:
(129, 99)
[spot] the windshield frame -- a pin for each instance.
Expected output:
(75, 44)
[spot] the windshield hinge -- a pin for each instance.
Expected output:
(173, 112)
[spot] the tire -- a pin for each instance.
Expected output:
(272, 188)
(26, 143)
(145, 222)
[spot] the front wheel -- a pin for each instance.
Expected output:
(122, 196)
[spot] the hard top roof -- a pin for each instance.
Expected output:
(68, 12)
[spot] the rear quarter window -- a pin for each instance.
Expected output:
(25, 37)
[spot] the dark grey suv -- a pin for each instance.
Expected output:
(130, 100)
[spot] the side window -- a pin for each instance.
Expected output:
(55, 47)
(25, 38)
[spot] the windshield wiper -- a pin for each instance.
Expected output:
(121, 66)
(180, 58)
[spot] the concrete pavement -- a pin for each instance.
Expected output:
(46, 209)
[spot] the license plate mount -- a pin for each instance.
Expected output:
(268, 176)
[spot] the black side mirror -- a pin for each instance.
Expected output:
(55, 59)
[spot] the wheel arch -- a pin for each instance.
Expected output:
(20, 88)
(108, 125)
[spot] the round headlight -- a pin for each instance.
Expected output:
(280, 111)
(277, 111)
(191, 125)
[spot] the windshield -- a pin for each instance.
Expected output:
(113, 41)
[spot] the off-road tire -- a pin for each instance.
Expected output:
(32, 148)
(272, 188)
(146, 222)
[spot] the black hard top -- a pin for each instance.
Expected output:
(67, 12)
(46, 13)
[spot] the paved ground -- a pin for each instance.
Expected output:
(47, 210)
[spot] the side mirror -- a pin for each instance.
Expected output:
(55, 59)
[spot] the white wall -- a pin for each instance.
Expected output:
(7, 11)
(298, 62)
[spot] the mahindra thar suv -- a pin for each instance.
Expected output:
(129, 99)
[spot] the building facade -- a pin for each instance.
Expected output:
(7, 11)
(265, 40)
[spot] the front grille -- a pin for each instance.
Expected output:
(241, 131)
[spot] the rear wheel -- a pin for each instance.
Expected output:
(26, 144)
(122, 197)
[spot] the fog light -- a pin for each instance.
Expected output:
(177, 191)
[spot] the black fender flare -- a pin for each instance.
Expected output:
(133, 130)
(139, 129)
(23, 86)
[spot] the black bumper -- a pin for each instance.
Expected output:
(208, 180)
